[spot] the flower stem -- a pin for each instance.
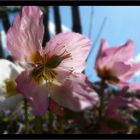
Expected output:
(26, 116)
(50, 128)
(38, 125)
(101, 109)
(61, 126)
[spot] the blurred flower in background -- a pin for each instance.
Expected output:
(9, 97)
(114, 64)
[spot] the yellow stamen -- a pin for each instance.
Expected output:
(105, 74)
(36, 58)
(10, 86)
(46, 70)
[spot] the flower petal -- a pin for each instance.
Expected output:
(35, 93)
(75, 44)
(132, 86)
(134, 103)
(119, 69)
(55, 108)
(75, 93)
(8, 71)
(121, 53)
(25, 36)
(108, 56)
(10, 103)
(100, 55)
(113, 106)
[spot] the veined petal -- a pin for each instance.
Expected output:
(108, 56)
(118, 53)
(25, 37)
(120, 68)
(135, 67)
(75, 93)
(76, 45)
(113, 106)
(35, 93)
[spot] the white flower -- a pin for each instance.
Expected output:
(9, 98)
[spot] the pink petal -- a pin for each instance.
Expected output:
(134, 103)
(108, 56)
(113, 105)
(74, 43)
(75, 94)
(100, 55)
(35, 93)
(119, 69)
(121, 53)
(135, 86)
(25, 37)
(62, 74)
(132, 86)
(55, 108)
(134, 67)
(119, 102)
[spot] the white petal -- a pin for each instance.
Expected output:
(10, 103)
(8, 71)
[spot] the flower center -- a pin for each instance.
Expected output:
(46, 71)
(10, 86)
(106, 75)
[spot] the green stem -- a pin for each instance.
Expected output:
(38, 125)
(50, 128)
(61, 126)
(101, 109)
(26, 116)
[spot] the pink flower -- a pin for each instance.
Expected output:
(119, 102)
(53, 71)
(114, 64)
(116, 106)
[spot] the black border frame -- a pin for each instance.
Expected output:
(70, 3)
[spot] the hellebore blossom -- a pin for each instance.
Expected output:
(114, 64)
(9, 98)
(53, 71)
(120, 102)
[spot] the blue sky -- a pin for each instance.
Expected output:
(122, 23)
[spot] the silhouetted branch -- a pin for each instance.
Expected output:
(1, 50)
(57, 19)
(76, 27)
(5, 20)
(46, 25)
